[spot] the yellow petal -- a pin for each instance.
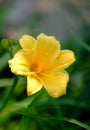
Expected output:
(20, 70)
(20, 63)
(33, 85)
(65, 59)
(56, 83)
(27, 42)
(47, 46)
(21, 57)
(24, 56)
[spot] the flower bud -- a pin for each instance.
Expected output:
(11, 41)
(4, 44)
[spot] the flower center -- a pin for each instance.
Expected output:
(40, 63)
(34, 68)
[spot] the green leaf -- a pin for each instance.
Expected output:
(14, 108)
(25, 121)
(76, 122)
(6, 82)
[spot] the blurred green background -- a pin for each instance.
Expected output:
(69, 22)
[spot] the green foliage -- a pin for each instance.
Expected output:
(40, 111)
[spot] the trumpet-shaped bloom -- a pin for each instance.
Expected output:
(44, 63)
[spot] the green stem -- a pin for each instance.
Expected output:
(40, 121)
(58, 112)
(10, 52)
(9, 93)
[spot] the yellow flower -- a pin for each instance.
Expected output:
(42, 61)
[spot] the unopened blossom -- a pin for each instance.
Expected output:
(44, 63)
